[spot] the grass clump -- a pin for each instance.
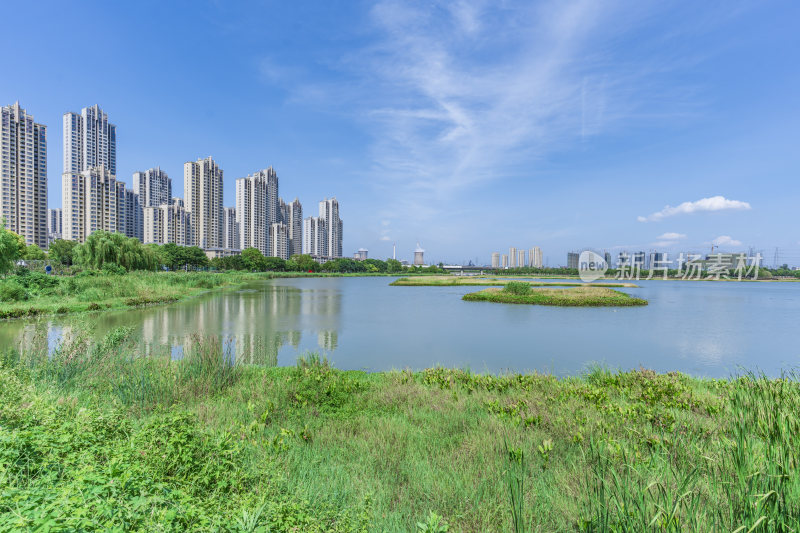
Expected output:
(99, 436)
(584, 296)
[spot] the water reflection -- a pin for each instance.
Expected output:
(254, 323)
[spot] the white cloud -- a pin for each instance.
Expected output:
(726, 240)
(714, 203)
(670, 236)
(385, 238)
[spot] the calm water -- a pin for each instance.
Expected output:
(703, 328)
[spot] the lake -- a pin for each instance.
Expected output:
(702, 328)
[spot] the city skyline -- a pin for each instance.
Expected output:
(561, 119)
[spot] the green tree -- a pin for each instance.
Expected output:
(274, 264)
(253, 259)
(12, 248)
(102, 247)
(305, 263)
(393, 265)
(62, 251)
(34, 253)
(194, 257)
(376, 264)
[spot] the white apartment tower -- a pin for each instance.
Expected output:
(90, 203)
(90, 140)
(329, 212)
(535, 257)
(520, 258)
(512, 257)
(153, 186)
(134, 215)
(257, 209)
(279, 240)
(168, 223)
(495, 259)
(294, 223)
(23, 175)
(314, 237)
(54, 228)
(202, 190)
(230, 229)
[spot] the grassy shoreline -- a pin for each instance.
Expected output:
(582, 296)
(103, 292)
(98, 437)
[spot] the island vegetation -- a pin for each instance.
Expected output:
(97, 437)
(449, 281)
(518, 292)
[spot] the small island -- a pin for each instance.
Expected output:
(516, 292)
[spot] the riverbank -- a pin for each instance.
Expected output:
(35, 294)
(581, 296)
(97, 437)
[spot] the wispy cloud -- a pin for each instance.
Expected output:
(714, 203)
(671, 236)
(726, 240)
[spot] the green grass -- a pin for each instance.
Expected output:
(99, 437)
(584, 296)
(449, 281)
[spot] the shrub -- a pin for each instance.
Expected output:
(517, 287)
(12, 291)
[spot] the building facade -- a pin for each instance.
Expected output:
(90, 202)
(294, 223)
(230, 229)
(329, 212)
(54, 227)
(279, 240)
(512, 257)
(202, 190)
(169, 223)
(314, 235)
(90, 140)
(257, 209)
(133, 225)
(535, 257)
(153, 186)
(23, 175)
(495, 259)
(521, 258)
(572, 260)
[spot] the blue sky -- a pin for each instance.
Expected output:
(469, 126)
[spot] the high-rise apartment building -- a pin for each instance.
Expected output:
(257, 208)
(90, 140)
(314, 237)
(504, 261)
(23, 175)
(230, 229)
(90, 203)
(512, 257)
(329, 212)
(521, 258)
(54, 228)
(294, 223)
(133, 225)
(535, 257)
(279, 240)
(202, 190)
(495, 259)
(153, 186)
(572, 260)
(168, 223)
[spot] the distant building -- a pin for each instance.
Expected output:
(361, 254)
(607, 258)
(496, 260)
(535, 257)
(314, 235)
(294, 223)
(521, 258)
(153, 186)
(23, 175)
(512, 257)
(572, 260)
(504, 261)
(169, 223)
(279, 240)
(639, 260)
(329, 212)
(54, 227)
(90, 141)
(90, 203)
(419, 254)
(202, 191)
(655, 260)
(230, 228)
(132, 214)
(257, 208)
